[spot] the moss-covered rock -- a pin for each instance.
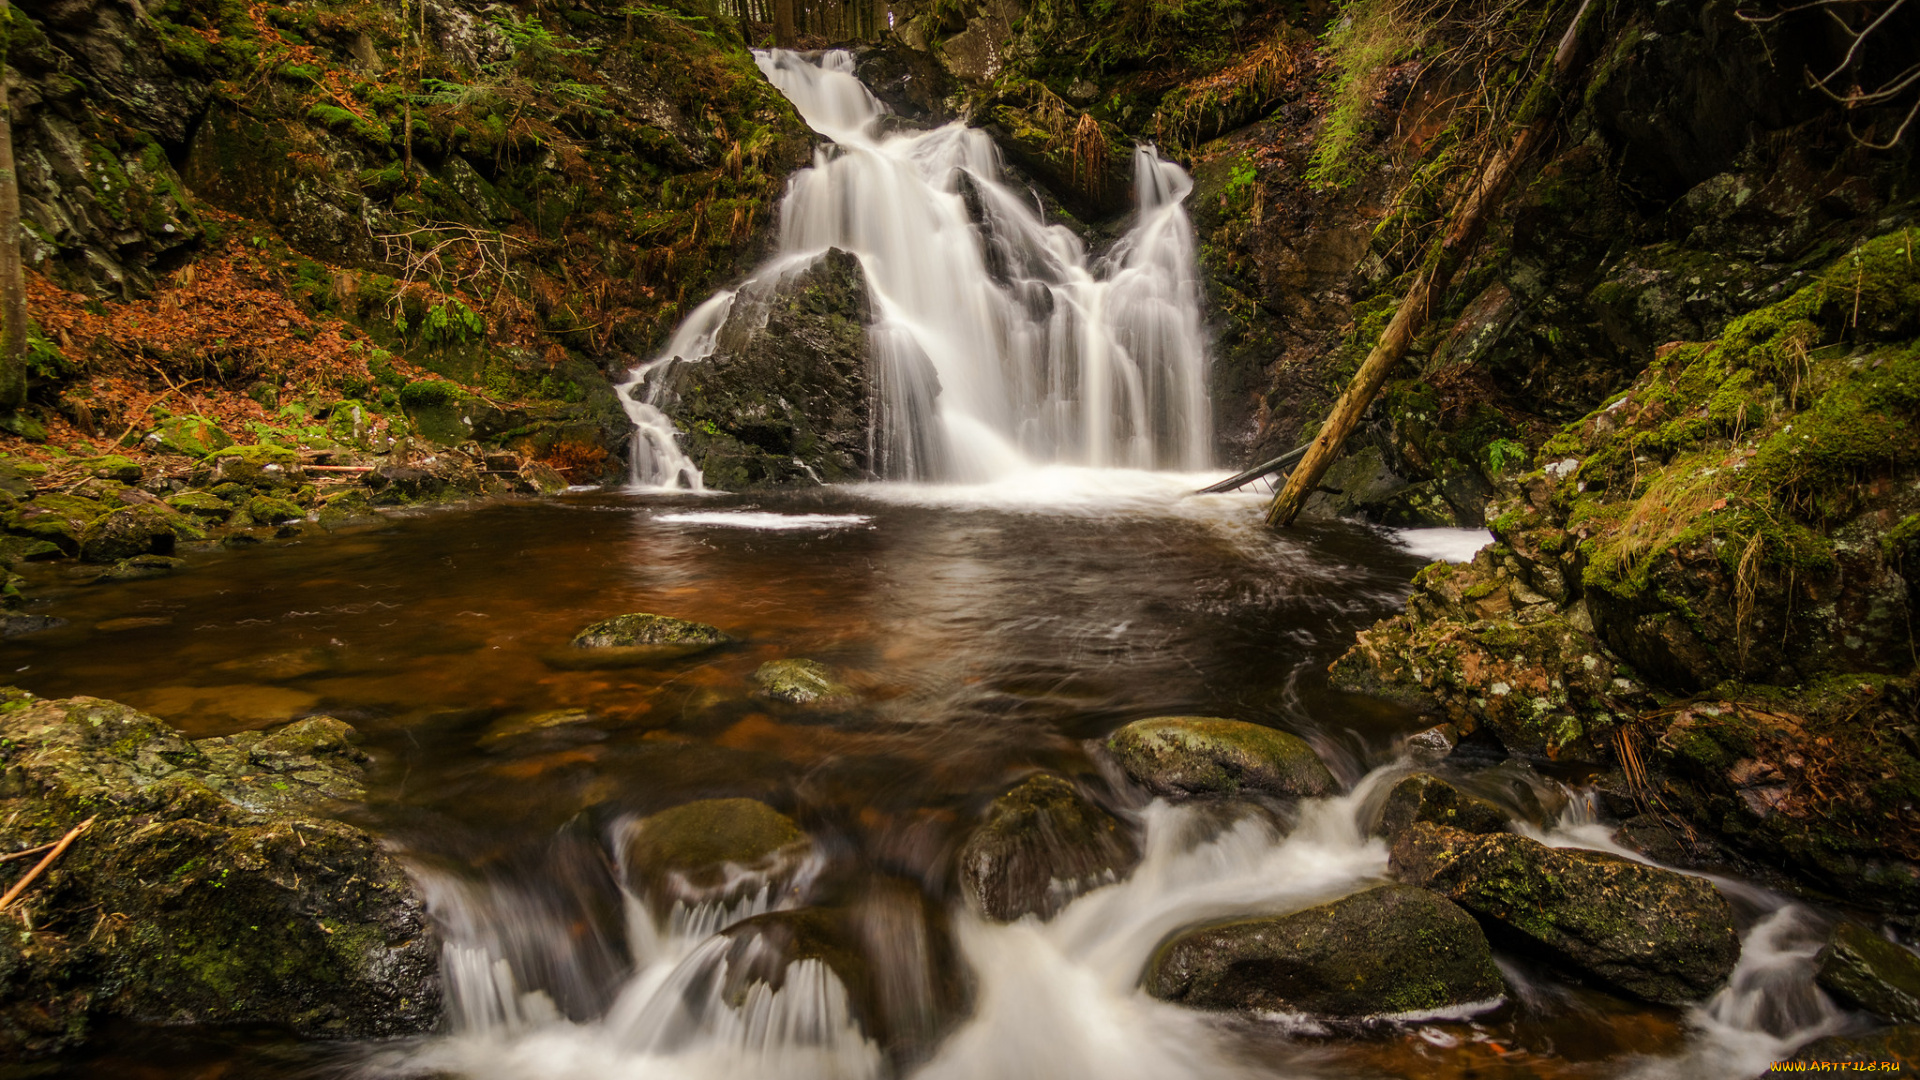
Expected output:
(641, 631)
(1390, 950)
(115, 467)
(234, 902)
(194, 436)
(716, 851)
(140, 567)
(201, 504)
(257, 466)
(1426, 797)
(268, 510)
(1041, 845)
(1185, 756)
(1867, 971)
(1656, 934)
(801, 682)
(130, 531)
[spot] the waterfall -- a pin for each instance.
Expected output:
(998, 342)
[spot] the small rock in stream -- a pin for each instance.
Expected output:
(1041, 845)
(801, 682)
(716, 851)
(1655, 934)
(1181, 757)
(638, 638)
(1388, 951)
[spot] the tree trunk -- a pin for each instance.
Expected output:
(783, 34)
(1470, 221)
(13, 286)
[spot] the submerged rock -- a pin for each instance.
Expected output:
(1656, 934)
(1426, 797)
(627, 631)
(1041, 845)
(1867, 971)
(1185, 756)
(800, 682)
(1390, 950)
(231, 900)
(716, 851)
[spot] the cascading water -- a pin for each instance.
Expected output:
(997, 342)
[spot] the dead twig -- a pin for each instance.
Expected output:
(58, 848)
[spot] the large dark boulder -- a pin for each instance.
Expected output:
(1390, 950)
(210, 888)
(1185, 756)
(1652, 933)
(1867, 971)
(784, 398)
(1042, 844)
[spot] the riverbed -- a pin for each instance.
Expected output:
(985, 632)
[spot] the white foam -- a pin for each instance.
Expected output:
(755, 519)
(1443, 545)
(1069, 490)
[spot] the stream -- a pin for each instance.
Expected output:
(989, 630)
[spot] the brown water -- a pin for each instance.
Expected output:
(987, 633)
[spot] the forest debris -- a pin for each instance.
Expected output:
(58, 848)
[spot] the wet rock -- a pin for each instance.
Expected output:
(1425, 797)
(1652, 933)
(231, 900)
(1390, 950)
(395, 484)
(1867, 971)
(557, 720)
(1901, 1044)
(1434, 743)
(717, 851)
(141, 566)
(1186, 756)
(14, 624)
(784, 398)
(800, 682)
(890, 950)
(1041, 845)
(649, 631)
(131, 531)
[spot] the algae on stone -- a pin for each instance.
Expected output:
(1186, 756)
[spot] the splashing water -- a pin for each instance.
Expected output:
(997, 342)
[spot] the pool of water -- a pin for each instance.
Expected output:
(987, 631)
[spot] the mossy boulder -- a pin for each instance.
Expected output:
(637, 639)
(123, 470)
(201, 504)
(801, 682)
(1655, 934)
(715, 851)
(259, 466)
(140, 567)
(1426, 797)
(1180, 757)
(194, 436)
(439, 411)
(1867, 971)
(1041, 845)
(130, 531)
(234, 900)
(268, 510)
(1390, 950)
